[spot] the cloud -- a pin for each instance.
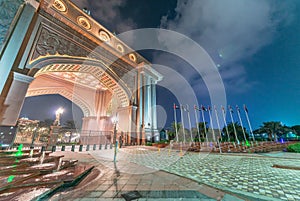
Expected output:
(232, 29)
(108, 14)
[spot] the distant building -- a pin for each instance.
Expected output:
(26, 128)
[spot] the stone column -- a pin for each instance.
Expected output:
(154, 130)
(127, 122)
(12, 49)
(12, 98)
(154, 117)
(141, 108)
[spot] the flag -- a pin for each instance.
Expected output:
(203, 108)
(230, 108)
(185, 108)
(175, 106)
(245, 108)
(196, 108)
(223, 109)
(237, 108)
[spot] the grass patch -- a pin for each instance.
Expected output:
(294, 148)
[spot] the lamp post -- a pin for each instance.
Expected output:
(58, 114)
(115, 121)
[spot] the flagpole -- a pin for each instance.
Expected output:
(181, 106)
(230, 112)
(218, 123)
(189, 118)
(205, 132)
(251, 131)
(225, 124)
(239, 115)
(175, 119)
(211, 123)
(196, 117)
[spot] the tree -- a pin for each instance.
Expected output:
(46, 123)
(44, 129)
(68, 127)
(202, 128)
(70, 124)
(296, 129)
(172, 131)
(274, 128)
(239, 131)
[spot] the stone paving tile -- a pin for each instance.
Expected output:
(95, 194)
(247, 173)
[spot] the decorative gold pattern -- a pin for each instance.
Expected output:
(59, 5)
(104, 36)
(132, 57)
(120, 48)
(82, 21)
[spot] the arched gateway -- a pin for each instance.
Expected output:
(52, 47)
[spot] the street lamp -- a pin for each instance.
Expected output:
(58, 114)
(114, 120)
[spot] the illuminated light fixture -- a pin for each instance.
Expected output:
(67, 76)
(59, 111)
(104, 36)
(132, 57)
(59, 5)
(82, 21)
(120, 48)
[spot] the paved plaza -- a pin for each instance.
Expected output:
(249, 176)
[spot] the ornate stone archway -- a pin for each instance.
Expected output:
(54, 40)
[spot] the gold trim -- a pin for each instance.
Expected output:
(84, 22)
(104, 36)
(120, 48)
(59, 5)
(132, 57)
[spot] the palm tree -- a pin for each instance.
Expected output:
(202, 129)
(239, 131)
(296, 129)
(273, 128)
(172, 131)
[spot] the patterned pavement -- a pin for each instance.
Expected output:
(246, 174)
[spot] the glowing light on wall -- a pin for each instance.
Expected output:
(132, 57)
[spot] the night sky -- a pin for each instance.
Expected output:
(255, 45)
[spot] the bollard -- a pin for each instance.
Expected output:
(53, 148)
(94, 147)
(73, 147)
(105, 146)
(43, 149)
(87, 147)
(63, 147)
(100, 146)
(110, 146)
(80, 147)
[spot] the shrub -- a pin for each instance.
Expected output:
(162, 142)
(294, 148)
(148, 144)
